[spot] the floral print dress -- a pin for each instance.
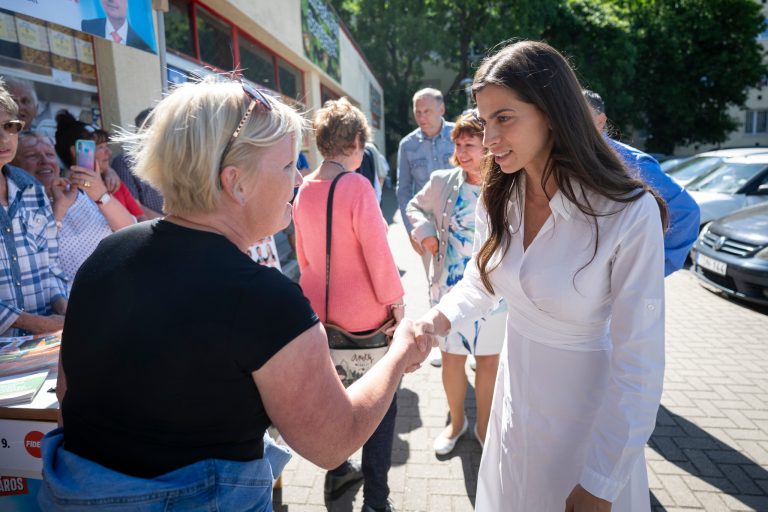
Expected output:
(487, 336)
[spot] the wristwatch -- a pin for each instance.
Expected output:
(104, 199)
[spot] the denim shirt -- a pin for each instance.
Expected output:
(417, 157)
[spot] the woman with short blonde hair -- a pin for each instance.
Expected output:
(209, 348)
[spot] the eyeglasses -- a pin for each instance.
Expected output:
(257, 98)
(13, 127)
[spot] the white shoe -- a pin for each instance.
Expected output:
(472, 362)
(436, 357)
(477, 436)
(445, 445)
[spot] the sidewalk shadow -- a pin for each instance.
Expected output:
(467, 448)
(702, 455)
(408, 419)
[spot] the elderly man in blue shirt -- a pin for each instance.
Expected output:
(33, 290)
(683, 210)
(426, 149)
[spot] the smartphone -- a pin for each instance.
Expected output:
(85, 153)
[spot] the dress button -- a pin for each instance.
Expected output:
(651, 307)
(14, 258)
(7, 230)
(18, 283)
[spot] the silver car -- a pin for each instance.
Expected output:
(696, 166)
(735, 184)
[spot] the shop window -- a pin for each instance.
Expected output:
(326, 94)
(257, 64)
(178, 27)
(215, 40)
(290, 81)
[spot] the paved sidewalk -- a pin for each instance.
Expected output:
(709, 450)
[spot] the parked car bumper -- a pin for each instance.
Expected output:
(745, 278)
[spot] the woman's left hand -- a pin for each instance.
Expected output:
(111, 180)
(581, 500)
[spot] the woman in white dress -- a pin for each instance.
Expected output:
(575, 246)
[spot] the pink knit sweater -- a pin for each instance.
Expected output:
(364, 277)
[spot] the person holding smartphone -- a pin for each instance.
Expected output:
(68, 131)
(83, 215)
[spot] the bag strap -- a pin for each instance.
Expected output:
(328, 224)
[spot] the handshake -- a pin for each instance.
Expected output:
(414, 339)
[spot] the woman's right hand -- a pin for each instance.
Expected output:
(430, 244)
(415, 347)
(433, 322)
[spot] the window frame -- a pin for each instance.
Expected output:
(235, 33)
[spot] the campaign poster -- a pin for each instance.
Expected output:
(320, 34)
(126, 22)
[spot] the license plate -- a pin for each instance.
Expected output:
(711, 264)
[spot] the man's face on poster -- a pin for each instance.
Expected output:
(115, 9)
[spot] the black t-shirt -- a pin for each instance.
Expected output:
(164, 326)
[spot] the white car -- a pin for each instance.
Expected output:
(698, 165)
(735, 184)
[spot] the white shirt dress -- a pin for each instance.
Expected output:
(581, 371)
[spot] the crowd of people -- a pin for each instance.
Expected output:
(545, 244)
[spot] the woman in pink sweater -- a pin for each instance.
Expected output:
(365, 286)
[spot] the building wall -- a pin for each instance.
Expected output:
(129, 82)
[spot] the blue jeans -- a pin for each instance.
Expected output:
(71, 483)
(377, 459)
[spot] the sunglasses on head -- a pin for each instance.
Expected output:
(13, 127)
(257, 98)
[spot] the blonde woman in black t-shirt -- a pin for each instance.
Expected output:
(203, 348)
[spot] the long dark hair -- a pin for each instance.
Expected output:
(68, 130)
(580, 159)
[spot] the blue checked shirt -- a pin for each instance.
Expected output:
(30, 277)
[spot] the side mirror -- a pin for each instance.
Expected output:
(762, 190)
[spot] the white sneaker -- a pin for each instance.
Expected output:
(445, 445)
(472, 362)
(436, 357)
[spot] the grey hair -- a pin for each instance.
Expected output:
(22, 83)
(428, 92)
(7, 103)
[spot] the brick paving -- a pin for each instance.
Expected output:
(709, 450)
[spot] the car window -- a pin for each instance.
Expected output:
(726, 179)
(694, 167)
(672, 163)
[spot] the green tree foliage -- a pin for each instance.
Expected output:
(695, 59)
(669, 67)
(397, 37)
(596, 38)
